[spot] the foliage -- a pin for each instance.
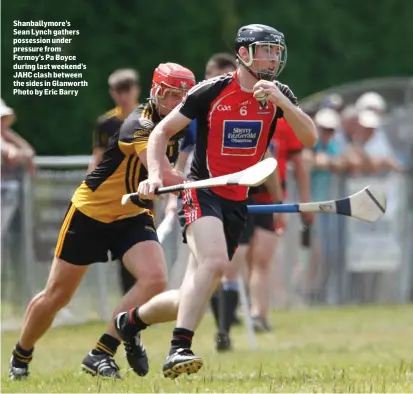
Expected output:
(329, 42)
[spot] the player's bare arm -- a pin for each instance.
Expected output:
(97, 157)
(273, 183)
(157, 144)
(170, 175)
(300, 122)
(302, 178)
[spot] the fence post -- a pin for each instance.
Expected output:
(406, 287)
(27, 239)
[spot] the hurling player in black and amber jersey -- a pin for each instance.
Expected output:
(236, 117)
(124, 88)
(96, 222)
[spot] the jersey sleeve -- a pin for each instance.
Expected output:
(188, 142)
(100, 134)
(286, 91)
(135, 133)
(199, 98)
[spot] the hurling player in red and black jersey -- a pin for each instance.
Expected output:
(234, 131)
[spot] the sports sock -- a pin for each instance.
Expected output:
(214, 303)
(228, 302)
(106, 344)
(21, 357)
(181, 338)
(135, 319)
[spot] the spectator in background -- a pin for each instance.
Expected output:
(363, 137)
(372, 101)
(220, 63)
(125, 90)
(349, 126)
(324, 160)
(15, 153)
(373, 144)
(333, 101)
(15, 150)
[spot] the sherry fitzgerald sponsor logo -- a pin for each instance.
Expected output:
(240, 138)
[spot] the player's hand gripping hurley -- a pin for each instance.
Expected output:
(368, 205)
(252, 176)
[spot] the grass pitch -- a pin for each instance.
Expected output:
(351, 350)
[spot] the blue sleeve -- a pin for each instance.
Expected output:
(188, 142)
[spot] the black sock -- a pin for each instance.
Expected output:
(134, 318)
(106, 344)
(228, 303)
(214, 302)
(133, 323)
(181, 338)
(21, 357)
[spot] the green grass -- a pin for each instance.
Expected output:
(355, 349)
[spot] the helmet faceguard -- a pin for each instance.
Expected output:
(173, 78)
(265, 45)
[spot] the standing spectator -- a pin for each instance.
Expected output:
(16, 154)
(15, 150)
(372, 101)
(372, 146)
(324, 159)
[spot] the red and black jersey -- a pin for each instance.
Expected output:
(233, 130)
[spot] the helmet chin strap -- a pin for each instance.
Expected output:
(155, 101)
(253, 73)
(248, 69)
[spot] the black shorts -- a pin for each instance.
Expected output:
(264, 221)
(196, 203)
(83, 240)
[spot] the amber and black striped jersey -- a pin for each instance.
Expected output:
(121, 170)
(106, 127)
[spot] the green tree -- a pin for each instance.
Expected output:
(329, 43)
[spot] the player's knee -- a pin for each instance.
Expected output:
(261, 261)
(57, 297)
(156, 283)
(217, 266)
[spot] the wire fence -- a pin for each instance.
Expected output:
(349, 261)
(359, 262)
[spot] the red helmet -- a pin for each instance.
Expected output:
(171, 76)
